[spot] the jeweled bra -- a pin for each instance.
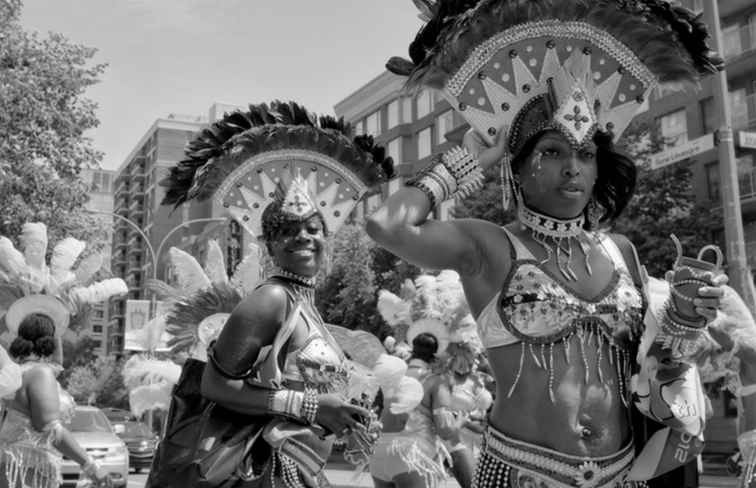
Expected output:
(536, 310)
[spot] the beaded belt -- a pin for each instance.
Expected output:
(505, 459)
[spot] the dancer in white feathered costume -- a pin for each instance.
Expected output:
(37, 300)
(433, 311)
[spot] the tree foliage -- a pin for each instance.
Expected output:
(98, 382)
(664, 204)
(347, 296)
(43, 118)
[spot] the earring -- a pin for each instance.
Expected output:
(594, 212)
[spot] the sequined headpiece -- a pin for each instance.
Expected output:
(575, 66)
(279, 154)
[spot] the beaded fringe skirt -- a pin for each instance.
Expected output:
(508, 463)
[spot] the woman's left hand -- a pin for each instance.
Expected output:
(709, 297)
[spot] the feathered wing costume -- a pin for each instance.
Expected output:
(58, 289)
(434, 305)
(281, 160)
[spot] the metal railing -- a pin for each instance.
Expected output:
(744, 115)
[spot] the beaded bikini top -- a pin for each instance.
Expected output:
(536, 310)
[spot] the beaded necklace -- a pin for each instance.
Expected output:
(552, 232)
(302, 286)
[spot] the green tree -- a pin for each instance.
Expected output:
(43, 118)
(99, 382)
(664, 204)
(486, 203)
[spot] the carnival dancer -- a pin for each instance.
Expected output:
(32, 435)
(413, 448)
(547, 88)
(290, 179)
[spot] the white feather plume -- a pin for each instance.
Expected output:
(88, 267)
(11, 259)
(248, 273)
(65, 253)
(99, 292)
(393, 309)
(215, 265)
(190, 276)
(407, 396)
(388, 372)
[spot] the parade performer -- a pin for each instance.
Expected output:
(548, 87)
(291, 180)
(43, 298)
(445, 346)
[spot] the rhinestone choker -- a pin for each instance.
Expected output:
(549, 232)
(296, 278)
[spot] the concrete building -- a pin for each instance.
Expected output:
(137, 197)
(100, 200)
(412, 127)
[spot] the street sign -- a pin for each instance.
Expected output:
(747, 139)
(683, 151)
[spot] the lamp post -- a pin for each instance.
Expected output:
(737, 267)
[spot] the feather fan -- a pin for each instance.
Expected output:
(215, 265)
(248, 273)
(99, 292)
(393, 309)
(190, 276)
(65, 253)
(88, 267)
(11, 259)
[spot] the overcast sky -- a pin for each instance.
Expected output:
(180, 56)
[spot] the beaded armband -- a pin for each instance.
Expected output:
(309, 410)
(454, 174)
(677, 333)
(288, 403)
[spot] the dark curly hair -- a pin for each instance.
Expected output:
(36, 335)
(615, 183)
(425, 347)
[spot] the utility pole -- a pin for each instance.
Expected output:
(737, 266)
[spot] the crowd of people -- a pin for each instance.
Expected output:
(535, 354)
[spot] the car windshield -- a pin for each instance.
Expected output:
(89, 421)
(136, 429)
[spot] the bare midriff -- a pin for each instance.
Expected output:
(585, 418)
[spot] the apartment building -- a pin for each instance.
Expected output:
(100, 200)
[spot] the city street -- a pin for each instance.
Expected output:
(345, 479)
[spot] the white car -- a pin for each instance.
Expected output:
(92, 430)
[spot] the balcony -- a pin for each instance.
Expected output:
(744, 114)
(119, 258)
(135, 265)
(738, 41)
(137, 169)
(137, 191)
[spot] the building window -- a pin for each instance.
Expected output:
(406, 110)
(444, 124)
(393, 114)
(424, 143)
(674, 128)
(731, 41)
(359, 129)
(373, 124)
(424, 103)
(739, 108)
(394, 150)
(234, 247)
(97, 329)
(98, 344)
(709, 115)
(746, 180)
(712, 182)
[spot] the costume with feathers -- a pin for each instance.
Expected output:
(58, 289)
(433, 305)
(269, 167)
(577, 67)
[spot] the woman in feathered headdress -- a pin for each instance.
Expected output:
(38, 301)
(289, 179)
(445, 351)
(548, 87)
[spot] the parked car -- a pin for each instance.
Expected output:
(94, 432)
(140, 440)
(117, 414)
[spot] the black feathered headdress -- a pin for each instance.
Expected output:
(575, 66)
(279, 153)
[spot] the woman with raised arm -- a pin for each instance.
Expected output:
(290, 179)
(548, 87)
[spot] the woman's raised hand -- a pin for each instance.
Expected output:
(487, 155)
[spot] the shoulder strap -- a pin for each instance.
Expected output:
(266, 370)
(628, 256)
(520, 251)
